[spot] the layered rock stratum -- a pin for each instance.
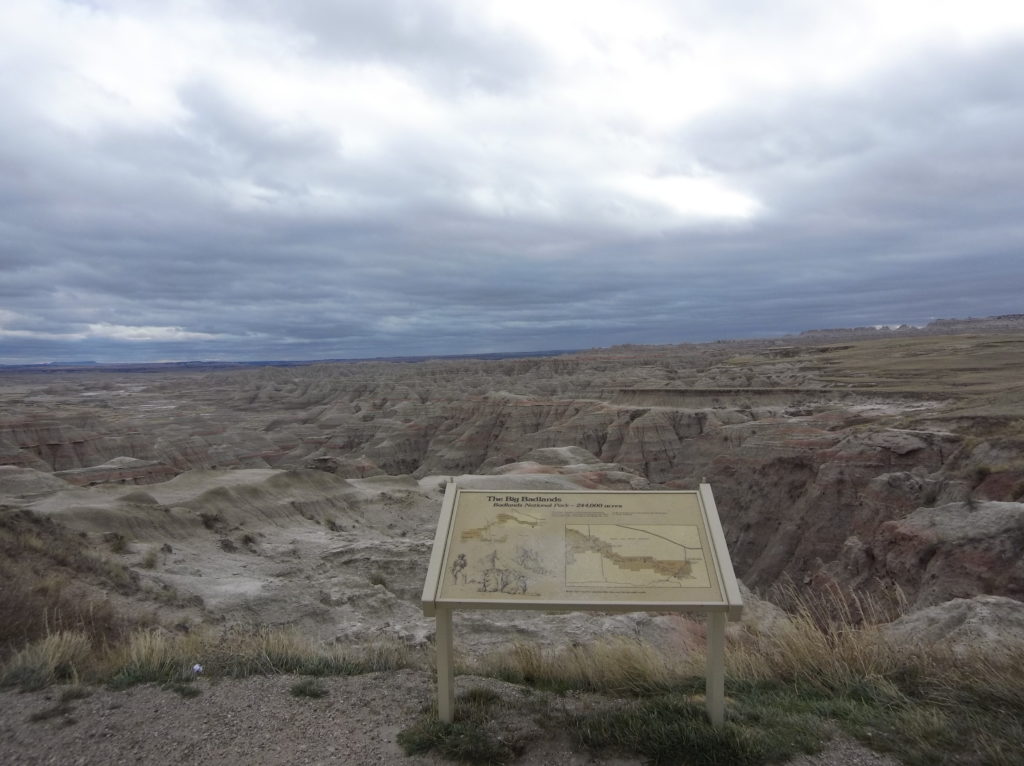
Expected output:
(867, 459)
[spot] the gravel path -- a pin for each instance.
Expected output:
(253, 722)
(257, 722)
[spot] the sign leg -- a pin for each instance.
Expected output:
(445, 666)
(714, 695)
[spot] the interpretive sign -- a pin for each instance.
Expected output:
(612, 550)
(603, 551)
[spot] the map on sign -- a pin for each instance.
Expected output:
(575, 547)
(618, 555)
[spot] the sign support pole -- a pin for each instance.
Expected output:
(714, 693)
(445, 666)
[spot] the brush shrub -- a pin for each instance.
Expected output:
(671, 729)
(118, 543)
(149, 561)
(211, 521)
(465, 741)
(473, 737)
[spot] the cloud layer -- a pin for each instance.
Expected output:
(320, 179)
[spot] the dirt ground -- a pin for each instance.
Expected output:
(258, 722)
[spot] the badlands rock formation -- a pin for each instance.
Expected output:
(309, 494)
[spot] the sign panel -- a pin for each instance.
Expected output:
(574, 549)
(606, 551)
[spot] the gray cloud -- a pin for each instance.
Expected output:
(237, 231)
(447, 44)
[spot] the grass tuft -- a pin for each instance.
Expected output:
(674, 729)
(60, 656)
(475, 737)
(462, 741)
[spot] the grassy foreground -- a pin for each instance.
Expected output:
(787, 690)
(787, 693)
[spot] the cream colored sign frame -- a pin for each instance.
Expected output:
(581, 550)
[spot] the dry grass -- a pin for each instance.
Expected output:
(615, 666)
(157, 656)
(51, 631)
(838, 607)
(832, 642)
(59, 656)
(161, 657)
(831, 665)
(45, 571)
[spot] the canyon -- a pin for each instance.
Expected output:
(861, 461)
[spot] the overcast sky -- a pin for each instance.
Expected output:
(214, 179)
